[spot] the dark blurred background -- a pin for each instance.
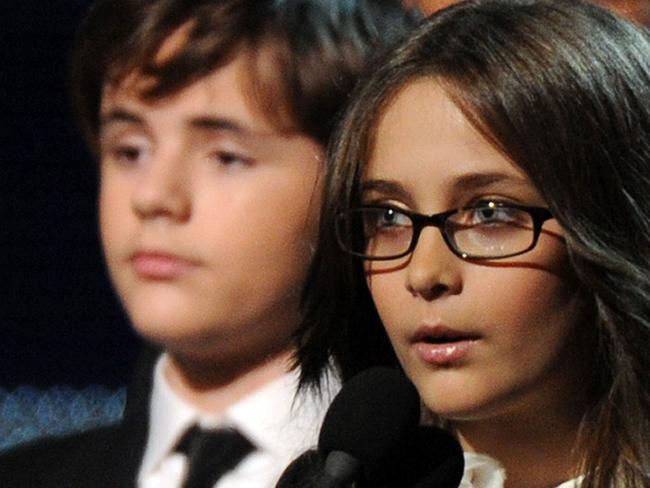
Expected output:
(60, 320)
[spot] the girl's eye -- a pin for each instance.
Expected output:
(488, 214)
(390, 217)
(495, 215)
(381, 219)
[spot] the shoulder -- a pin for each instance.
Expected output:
(103, 457)
(47, 461)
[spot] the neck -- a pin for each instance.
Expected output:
(212, 388)
(536, 448)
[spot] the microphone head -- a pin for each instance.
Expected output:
(370, 417)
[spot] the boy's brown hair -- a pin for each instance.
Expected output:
(305, 55)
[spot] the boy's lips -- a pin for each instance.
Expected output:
(159, 265)
(442, 346)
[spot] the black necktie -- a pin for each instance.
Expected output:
(211, 454)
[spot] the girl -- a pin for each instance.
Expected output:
(489, 191)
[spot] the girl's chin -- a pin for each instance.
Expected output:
(464, 410)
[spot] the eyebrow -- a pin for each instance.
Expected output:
(119, 115)
(205, 122)
(475, 181)
(462, 183)
(388, 187)
(220, 124)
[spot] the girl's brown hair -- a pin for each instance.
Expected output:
(562, 88)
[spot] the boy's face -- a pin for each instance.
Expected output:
(208, 216)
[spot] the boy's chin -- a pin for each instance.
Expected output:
(176, 334)
(211, 342)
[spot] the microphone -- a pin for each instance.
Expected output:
(432, 458)
(370, 436)
(373, 411)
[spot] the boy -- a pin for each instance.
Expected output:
(210, 120)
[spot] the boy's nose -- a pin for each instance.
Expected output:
(162, 190)
(433, 270)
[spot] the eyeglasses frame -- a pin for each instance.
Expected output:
(420, 221)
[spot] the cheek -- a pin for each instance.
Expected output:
(530, 314)
(269, 219)
(114, 214)
(396, 307)
(116, 227)
(263, 235)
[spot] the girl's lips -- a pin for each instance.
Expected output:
(153, 265)
(441, 345)
(443, 354)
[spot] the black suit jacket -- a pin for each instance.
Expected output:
(100, 458)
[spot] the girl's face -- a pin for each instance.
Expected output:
(478, 338)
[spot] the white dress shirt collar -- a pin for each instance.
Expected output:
(276, 420)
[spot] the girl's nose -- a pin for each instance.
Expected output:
(433, 270)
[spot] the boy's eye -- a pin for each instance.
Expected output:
(124, 148)
(128, 153)
(229, 158)
(125, 153)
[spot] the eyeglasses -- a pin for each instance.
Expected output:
(488, 230)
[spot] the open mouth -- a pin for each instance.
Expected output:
(444, 340)
(442, 335)
(441, 346)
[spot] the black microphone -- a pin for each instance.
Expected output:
(364, 424)
(370, 436)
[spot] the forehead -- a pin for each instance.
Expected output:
(423, 132)
(233, 91)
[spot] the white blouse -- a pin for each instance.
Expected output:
(482, 471)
